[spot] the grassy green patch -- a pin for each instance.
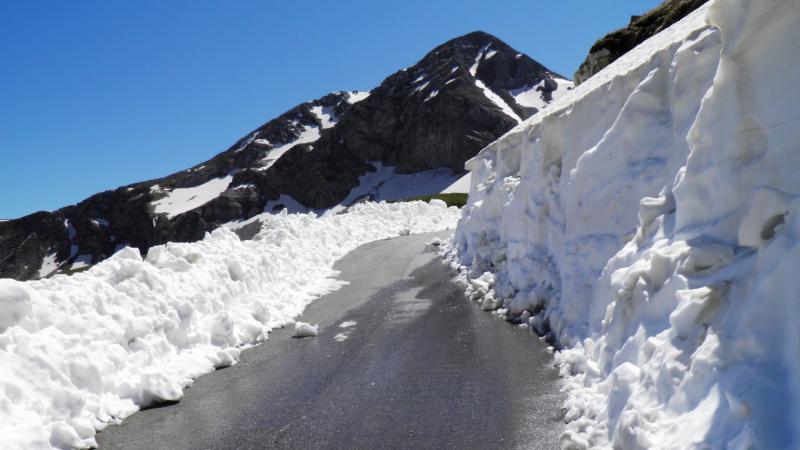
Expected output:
(457, 200)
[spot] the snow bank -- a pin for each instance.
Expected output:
(79, 352)
(647, 222)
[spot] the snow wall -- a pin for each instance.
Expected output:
(80, 352)
(648, 223)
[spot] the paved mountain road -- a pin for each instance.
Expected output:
(422, 367)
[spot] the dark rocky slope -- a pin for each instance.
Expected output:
(435, 114)
(613, 45)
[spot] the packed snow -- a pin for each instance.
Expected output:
(646, 222)
(178, 201)
(80, 352)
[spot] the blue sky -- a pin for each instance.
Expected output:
(95, 94)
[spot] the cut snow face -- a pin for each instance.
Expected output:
(647, 221)
(309, 134)
(180, 200)
(80, 352)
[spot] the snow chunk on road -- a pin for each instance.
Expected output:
(303, 329)
(180, 200)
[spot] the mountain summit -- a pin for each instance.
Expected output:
(410, 136)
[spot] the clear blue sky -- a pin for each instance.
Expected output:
(95, 94)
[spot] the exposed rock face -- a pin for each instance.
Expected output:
(613, 45)
(436, 114)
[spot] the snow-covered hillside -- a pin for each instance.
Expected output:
(647, 221)
(80, 352)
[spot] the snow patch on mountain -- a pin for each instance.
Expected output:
(532, 96)
(310, 133)
(356, 96)
(49, 264)
(497, 100)
(286, 202)
(180, 200)
(460, 186)
(327, 118)
(386, 184)
(647, 222)
(473, 70)
(80, 352)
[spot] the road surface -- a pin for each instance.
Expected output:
(422, 367)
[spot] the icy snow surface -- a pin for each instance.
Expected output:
(79, 352)
(180, 200)
(648, 220)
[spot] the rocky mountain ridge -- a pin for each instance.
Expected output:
(615, 44)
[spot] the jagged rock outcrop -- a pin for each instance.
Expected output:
(613, 45)
(434, 115)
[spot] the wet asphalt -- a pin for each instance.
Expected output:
(422, 367)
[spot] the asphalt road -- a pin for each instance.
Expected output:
(422, 367)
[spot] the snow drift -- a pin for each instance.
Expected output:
(647, 221)
(80, 352)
